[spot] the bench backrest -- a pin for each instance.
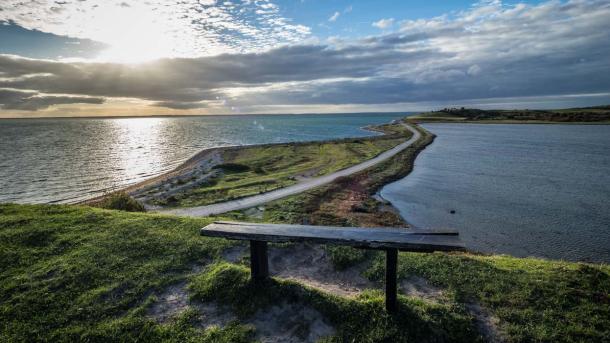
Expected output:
(371, 238)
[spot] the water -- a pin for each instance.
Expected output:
(524, 190)
(66, 160)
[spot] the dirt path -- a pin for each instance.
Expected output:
(255, 200)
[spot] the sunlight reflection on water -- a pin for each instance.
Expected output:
(65, 160)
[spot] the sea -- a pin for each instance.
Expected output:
(72, 159)
(522, 190)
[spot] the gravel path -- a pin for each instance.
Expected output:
(256, 200)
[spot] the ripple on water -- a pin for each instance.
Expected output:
(524, 190)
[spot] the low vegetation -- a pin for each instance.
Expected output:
(70, 273)
(570, 115)
(349, 201)
(119, 201)
(258, 169)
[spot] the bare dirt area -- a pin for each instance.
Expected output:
(311, 265)
(170, 304)
(419, 287)
(195, 173)
(290, 323)
(487, 324)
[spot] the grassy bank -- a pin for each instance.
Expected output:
(349, 201)
(82, 274)
(588, 115)
(251, 170)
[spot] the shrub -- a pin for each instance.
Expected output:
(123, 202)
(233, 167)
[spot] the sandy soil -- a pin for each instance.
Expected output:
(197, 173)
(486, 322)
(311, 265)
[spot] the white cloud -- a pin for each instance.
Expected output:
(149, 29)
(334, 17)
(384, 23)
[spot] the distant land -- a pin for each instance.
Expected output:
(597, 114)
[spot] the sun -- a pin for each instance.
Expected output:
(135, 34)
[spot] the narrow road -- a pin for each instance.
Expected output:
(259, 199)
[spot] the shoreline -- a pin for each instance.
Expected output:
(350, 201)
(260, 199)
(192, 162)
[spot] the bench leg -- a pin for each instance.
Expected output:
(391, 304)
(259, 266)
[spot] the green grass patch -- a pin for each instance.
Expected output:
(536, 300)
(70, 273)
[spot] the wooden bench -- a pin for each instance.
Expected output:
(389, 239)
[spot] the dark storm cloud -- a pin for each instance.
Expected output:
(490, 51)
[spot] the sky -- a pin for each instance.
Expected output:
(183, 57)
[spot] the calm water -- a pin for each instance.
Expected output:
(524, 190)
(64, 160)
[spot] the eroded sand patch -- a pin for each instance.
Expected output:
(211, 314)
(293, 323)
(171, 303)
(419, 287)
(486, 322)
(311, 265)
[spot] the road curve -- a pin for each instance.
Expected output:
(259, 199)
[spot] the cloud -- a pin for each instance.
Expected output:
(490, 51)
(334, 17)
(474, 70)
(12, 99)
(384, 23)
(153, 29)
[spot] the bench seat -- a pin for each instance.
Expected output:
(389, 239)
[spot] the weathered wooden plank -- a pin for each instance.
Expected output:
(443, 232)
(259, 264)
(373, 238)
(391, 264)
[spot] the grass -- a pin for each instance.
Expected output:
(536, 300)
(258, 169)
(70, 273)
(349, 200)
(83, 274)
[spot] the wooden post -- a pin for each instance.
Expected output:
(391, 304)
(259, 266)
